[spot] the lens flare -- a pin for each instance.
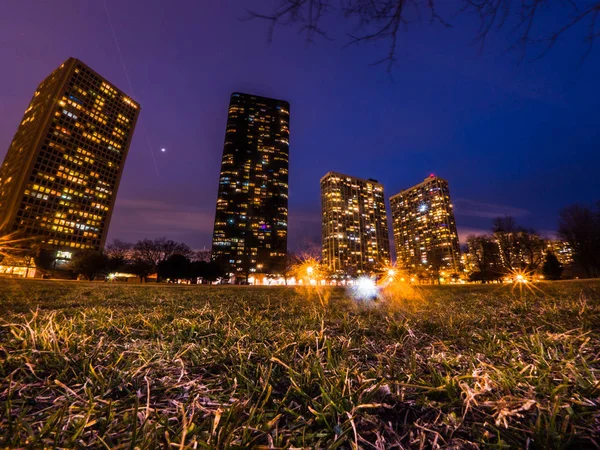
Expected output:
(12, 244)
(365, 289)
(396, 288)
(311, 278)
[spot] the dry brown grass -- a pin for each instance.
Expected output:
(116, 366)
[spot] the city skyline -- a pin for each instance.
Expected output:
(497, 130)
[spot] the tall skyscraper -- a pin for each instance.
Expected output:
(354, 224)
(60, 177)
(424, 227)
(250, 233)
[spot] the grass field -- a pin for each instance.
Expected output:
(116, 366)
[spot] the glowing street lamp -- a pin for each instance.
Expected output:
(520, 279)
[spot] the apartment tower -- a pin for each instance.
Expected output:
(60, 177)
(354, 224)
(250, 231)
(424, 227)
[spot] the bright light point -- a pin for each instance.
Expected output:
(163, 150)
(364, 288)
(423, 208)
(391, 272)
(309, 270)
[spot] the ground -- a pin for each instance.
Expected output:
(115, 366)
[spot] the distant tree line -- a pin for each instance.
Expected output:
(511, 248)
(167, 259)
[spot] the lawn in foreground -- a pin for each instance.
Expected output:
(117, 366)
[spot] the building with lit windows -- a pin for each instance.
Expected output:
(60, 177)
(354, 224)
(561, 249)
(424, 228)
(250, 232)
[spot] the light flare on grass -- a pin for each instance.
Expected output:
(397, 288)
(311, 279)
(364, 289)
(523, 279)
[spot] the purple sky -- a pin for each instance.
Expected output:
(518, 139)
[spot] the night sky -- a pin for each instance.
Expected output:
(518, 139)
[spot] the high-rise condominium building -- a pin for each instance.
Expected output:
(60, 177)
(424, 227)
(354, 224)
(250, 233)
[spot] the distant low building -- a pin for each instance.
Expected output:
(18, 266)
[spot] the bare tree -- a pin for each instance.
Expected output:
(203, 255)
(484, 254)
(150, 253)
(520, 248)
(291, 261)
(504, 229)
(118, 253)
(119, 249)
(384, 19)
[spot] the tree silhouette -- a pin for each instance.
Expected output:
(580, 227)
(377, 20)
(89, 263)
(552, 269)
(150, 253)
(175, 267)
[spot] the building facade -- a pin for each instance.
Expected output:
(424, 227)
(250, 231)
(354, 224)
(60, 177)
(562, 250)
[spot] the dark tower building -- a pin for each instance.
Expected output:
(60, 177)
(250, 233)
(424, 227)
(354, 224)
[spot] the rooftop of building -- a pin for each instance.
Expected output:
(431, 178)
(342, 175)
(268, 99)
(76, 61)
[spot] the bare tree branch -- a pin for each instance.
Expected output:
(385, 19)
